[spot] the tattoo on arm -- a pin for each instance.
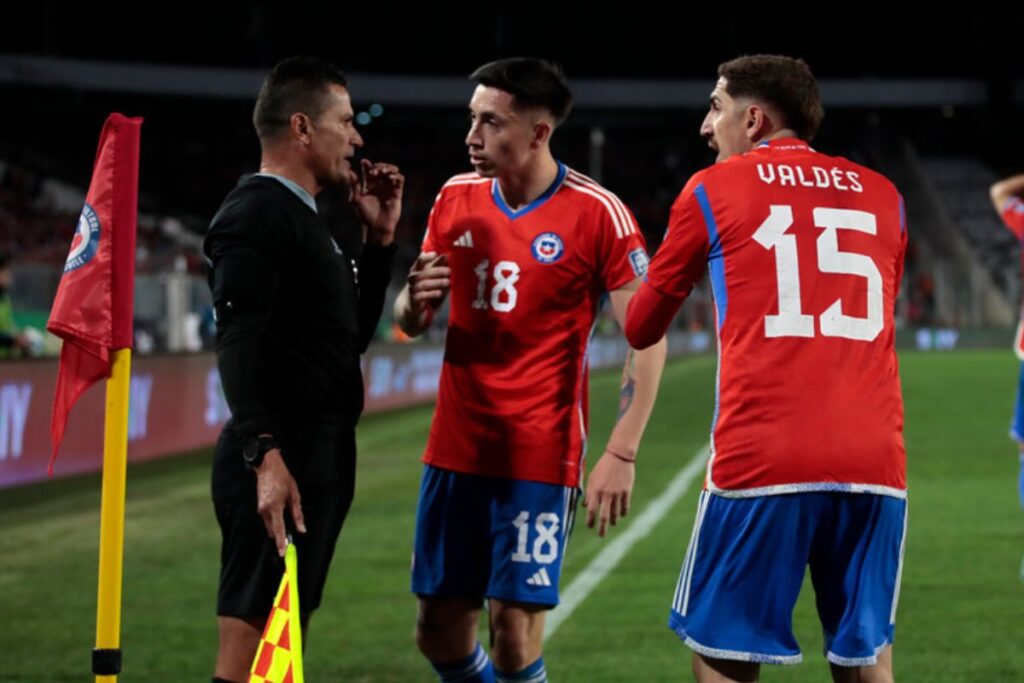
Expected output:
(628, 390)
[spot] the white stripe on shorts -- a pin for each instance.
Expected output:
(899, 570)
(681, 600)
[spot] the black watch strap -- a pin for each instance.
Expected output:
(255, 448)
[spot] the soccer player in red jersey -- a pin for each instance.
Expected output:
(527, 248)
(1008, 198)
(807, 467)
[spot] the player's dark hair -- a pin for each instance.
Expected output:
(784, 83)
(534, 83)
(5, 259)
(294, 85)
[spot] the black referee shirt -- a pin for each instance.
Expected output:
(292, 319)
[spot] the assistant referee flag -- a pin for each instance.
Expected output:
(279, 656)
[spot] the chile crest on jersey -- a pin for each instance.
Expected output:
(547, 247)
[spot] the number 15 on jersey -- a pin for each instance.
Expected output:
(791, 321)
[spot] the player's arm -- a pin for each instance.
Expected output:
(645, 312)
(1002, 191)
(424, 292)
(648, 316)
(611, 482)
(429, 278)
(679, 264)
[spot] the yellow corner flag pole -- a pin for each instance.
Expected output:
(107, 655)
(279, 655)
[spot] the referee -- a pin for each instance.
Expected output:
(294, 313)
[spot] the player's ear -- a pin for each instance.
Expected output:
(542, 130)
(756, 123)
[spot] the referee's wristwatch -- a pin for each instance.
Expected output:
(256, 448)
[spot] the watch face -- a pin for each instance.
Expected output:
(254, 450)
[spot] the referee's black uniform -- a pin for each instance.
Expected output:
(294, 313)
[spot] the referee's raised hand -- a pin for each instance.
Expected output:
(275, 491)
(377, 198)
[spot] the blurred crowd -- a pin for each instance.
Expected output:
(186, 170)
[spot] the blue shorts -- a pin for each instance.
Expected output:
(1017, 430)
(480, 537)
(1017, 423)
(746, 562)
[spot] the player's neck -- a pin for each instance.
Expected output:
(521, 188)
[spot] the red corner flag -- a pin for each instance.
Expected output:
(92, 312)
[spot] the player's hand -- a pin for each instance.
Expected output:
(608, 491)
(377, 198)
(429, 280)
(275, 491)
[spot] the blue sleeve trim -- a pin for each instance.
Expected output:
(716, 259)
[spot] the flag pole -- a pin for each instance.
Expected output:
(106, 658)
(294, 622)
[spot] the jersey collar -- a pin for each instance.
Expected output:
(296, 189)
(788, 144)
(499, 201)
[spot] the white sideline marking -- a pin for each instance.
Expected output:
(609, 558)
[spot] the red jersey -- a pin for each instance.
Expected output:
(805, 254)
(1013, 217)
(525, 289)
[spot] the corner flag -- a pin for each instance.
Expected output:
(92, 311)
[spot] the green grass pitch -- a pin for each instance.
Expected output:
(961, 608)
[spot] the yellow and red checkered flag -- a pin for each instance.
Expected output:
(279, 656)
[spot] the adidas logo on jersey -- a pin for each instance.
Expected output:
(541, 578)
(466, 240)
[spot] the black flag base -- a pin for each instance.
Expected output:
(106, 662)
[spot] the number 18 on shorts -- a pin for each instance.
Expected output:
(482, 537)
